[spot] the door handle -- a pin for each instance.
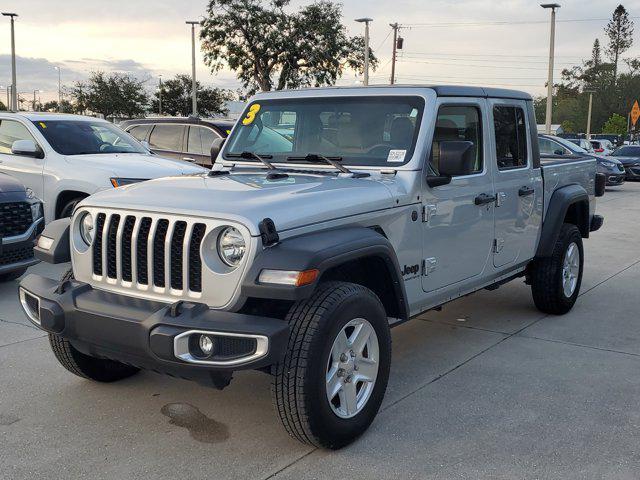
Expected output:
(484, 198)
(525, 191)
(189, 159)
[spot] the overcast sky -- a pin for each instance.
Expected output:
(149, 38)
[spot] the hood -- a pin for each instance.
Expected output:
(9, 184)
(297, 200)
(626, 161)
(604, 158)
(135, 165)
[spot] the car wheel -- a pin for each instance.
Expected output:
(329, 386)
(67, 209)
(556, 280)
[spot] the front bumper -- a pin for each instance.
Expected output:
(614, 179)
(632, 172)
(17, 252)
(152, 335)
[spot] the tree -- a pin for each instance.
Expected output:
(176, 98)
(2, 106)
(269, 48)
(113, 94)
(616, 124)
(52, 106)
(568, 126)
(620, 33)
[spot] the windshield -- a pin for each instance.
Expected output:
(79, 137)
(627, 152)
(356, 130)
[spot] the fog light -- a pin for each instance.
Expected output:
(206, 344)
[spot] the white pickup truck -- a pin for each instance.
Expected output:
(65, 158)
(330, 216)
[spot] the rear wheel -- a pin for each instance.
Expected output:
(85, 366)
(331, 383)
(556, 280)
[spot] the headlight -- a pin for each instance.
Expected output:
(121, 182)
(86, 228)
(36, 211)
(608, 164)
(231, 246)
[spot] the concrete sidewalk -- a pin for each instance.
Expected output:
(487, 388)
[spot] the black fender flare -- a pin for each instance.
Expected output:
(323, 250)
(60, 249)
(561, 200)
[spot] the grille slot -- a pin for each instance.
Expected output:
(177, 242)
(195, 262)
(97, 244)
(112, 240)
(15, 218)
(159, 253)
(142, 258)
(127, 235)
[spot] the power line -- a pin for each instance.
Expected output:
(472, 65)
(504, 22)
(540, 62)
(491, 55)
(385, 39)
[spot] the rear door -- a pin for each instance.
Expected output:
(458, 230)
(166, 139)
(199, 140)
(518, 184)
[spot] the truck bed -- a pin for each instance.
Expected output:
(558, 173)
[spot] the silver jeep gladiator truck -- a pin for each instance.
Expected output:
(330, 216)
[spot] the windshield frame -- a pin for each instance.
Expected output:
(139, 148)
(423, 98)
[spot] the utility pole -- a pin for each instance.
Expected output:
(553, 7)
(590, 92)
(160, 95)
(14, 87)
(194, 100)
(366, 22)
(395, 27)
(59, 89)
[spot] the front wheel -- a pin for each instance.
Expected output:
(556, 280)
(331, 382)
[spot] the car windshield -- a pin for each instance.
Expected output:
(354, 130)
(80, 137)
(627, 151)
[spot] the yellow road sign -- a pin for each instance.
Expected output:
(635, 113)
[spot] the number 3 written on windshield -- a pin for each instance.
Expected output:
(251, 114)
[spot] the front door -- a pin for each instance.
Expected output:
(518, 184)
(27, 170)
(458, 219)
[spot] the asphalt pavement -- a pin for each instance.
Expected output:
(487, 388)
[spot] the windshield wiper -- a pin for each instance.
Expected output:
(249, 155)
(333, 161)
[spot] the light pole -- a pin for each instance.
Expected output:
(34, 99)
(194, 100)
(160, 95)
(14, 89)
(366, 22)
(590, 92)
(553, 7)
(59, 89)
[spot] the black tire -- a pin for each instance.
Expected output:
(7, 277)
(98, 369)
(67, 209)
(298, 387)
(547, 275)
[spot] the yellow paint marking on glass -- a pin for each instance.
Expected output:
(42, 124)
(251, 114)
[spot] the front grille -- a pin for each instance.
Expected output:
(149, 252)
(9, 257)
(15, 218)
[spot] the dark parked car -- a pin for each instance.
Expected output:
(556, 148)
(629, 156)
(21, 221)
(187, 138)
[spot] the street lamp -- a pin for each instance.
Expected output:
(553, 7)
(366, 22)
(34, 98)
(160, 95)
(14, 89)
(59, 88)
(590, 92)
(194, 101)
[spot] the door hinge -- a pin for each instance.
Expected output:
(428, 265)
(498, 245)
(428, 211)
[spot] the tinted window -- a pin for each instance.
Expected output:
(511, 137)
(627, 152)
(460, 123)
(167, 137)
(200, 140)
(10, 131)
(140, 131)
(73, 137)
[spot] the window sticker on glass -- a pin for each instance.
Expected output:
(251, 114)
(43, 125)
(396, 156)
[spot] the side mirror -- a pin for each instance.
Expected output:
(26, 148)
(216, 146)
(558, 152)
(456, 159)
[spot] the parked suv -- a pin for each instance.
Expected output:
(629, 156)
(188, 139)
(602, 147)
(65, 158)
(20, 221)
(376, 205)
